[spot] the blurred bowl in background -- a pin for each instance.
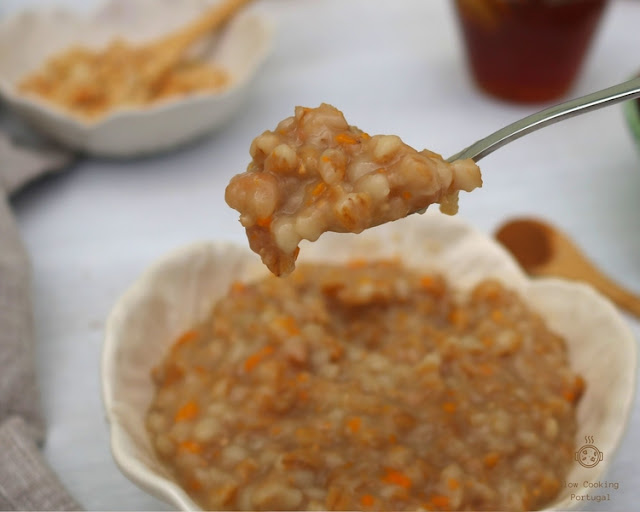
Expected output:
(29, 38)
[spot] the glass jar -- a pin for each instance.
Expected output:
(527, 50)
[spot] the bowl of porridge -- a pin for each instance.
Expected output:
(411, 367)
(88, 82)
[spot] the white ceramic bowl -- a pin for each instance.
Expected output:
(179, 291)
(29, 38)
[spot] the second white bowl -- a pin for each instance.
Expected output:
(28, 39)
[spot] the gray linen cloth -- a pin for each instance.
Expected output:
(26, 481)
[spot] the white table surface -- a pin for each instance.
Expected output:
(392, 67)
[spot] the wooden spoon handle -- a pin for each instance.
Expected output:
(618, 294)
(574, 265)
(581, 267)
(178, 42)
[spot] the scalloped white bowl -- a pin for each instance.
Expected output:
(29, 38)
(180, 290)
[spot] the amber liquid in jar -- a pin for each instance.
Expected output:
(527, 50)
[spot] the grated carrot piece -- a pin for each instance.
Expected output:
(440, 501)
(319, 188)
(458, 318)
(264, 222)
(407, 195)
(173, 373)
(357, 263)
(432, 285)
(491, 459)
(190, 446)
(186, 337)
(574, 391)
(574, 394)
(449, 407)
(367, 500)
(254, 359)
(486, 369)
(426, 281)
(497, 315)
(188, 411)
(289, 324)
(354, 424)
(303, 395)
(453, 484)
(487, 341)
(345, 138)
(397, 478)
(237, 287)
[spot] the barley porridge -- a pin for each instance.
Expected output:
(315, 173)
(90, 84)
(366, 386)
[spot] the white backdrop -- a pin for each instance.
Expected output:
(393, 67)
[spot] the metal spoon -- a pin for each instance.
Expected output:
(543, 250)
(595, 100)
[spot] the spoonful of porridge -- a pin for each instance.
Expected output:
(316, 173)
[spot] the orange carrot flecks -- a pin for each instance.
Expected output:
(396, 477)
(188, 411)
(344, 138)
(253, 360)
(354, 424)
(185, 338)
(440, 501)
(319, 188)
(453, 484)
(449, 407)
(366, 500)
(491, 459)
(264, 222)
(190, 446)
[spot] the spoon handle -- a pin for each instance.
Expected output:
(621, 296)
(595, 100)
(179, 41)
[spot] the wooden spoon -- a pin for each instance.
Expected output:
(170, 49)
(543, 250)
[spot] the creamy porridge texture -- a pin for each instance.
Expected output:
(366, 386)
(91, 84)
(316, 173)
